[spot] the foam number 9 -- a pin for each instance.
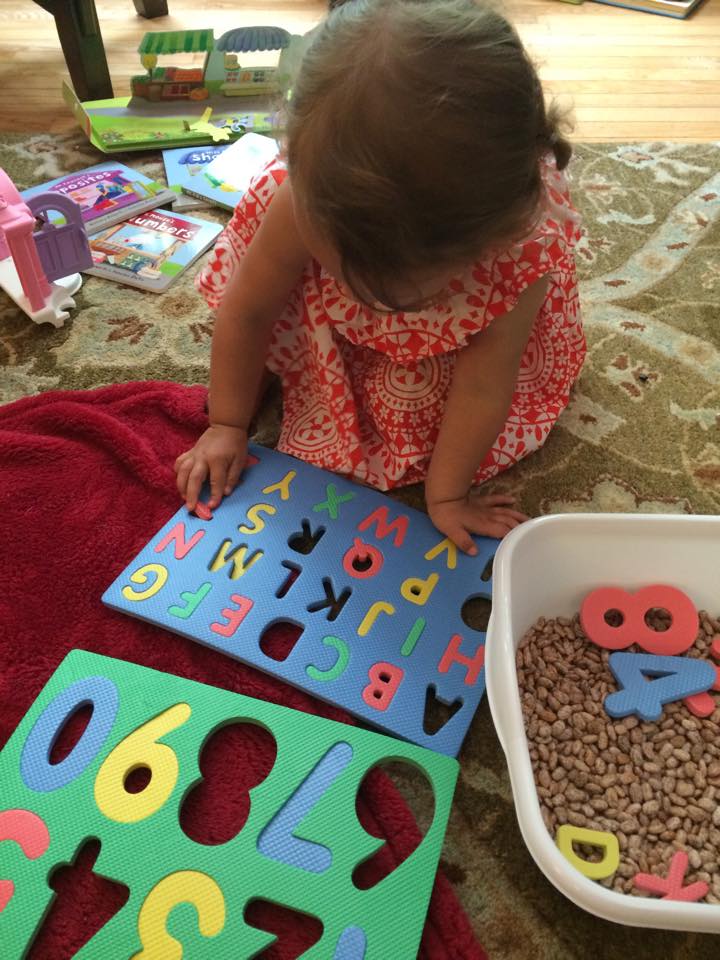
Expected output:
(633, 608)
(140, 749)
(186, 886)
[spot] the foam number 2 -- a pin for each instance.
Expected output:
(29, 831)
(633, 608)
(186, 886)
(140, 749)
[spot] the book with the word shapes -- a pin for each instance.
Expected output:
(107, 194)
(151, 250)
(184, 166)
(225, 179)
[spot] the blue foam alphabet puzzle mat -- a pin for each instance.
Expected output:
(298, 846)
(376, 590)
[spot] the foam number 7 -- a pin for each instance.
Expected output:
(140, 749)
(633, 608)
(186, 886)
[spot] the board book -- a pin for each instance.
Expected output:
(123, 124)
(226, 178)
(107, 194)
(185, 166)
(188, 895)
(151, 250)
(376, 599)
(678, 9)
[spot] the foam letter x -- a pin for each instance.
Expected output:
(671, 887)
(333, 499)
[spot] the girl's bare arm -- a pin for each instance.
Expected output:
(254, 298)
(475, 413)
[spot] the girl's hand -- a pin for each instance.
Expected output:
(220, 452)
(489, 516)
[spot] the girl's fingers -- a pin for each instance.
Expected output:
(493, 499)
(513, 516)
(182, 473)
(181, 459)
(233, 474)
(487, 527)
(218, 475)
(460, 537)
(194, 484)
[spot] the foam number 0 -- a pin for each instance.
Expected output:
(633, 607)
(140, 749)
(186, 886)
(35, 768)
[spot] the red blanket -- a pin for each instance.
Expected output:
(85, 479)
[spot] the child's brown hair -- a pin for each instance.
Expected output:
(415, 134)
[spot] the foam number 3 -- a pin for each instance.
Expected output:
(186, 886)
(140, 749)
(633, 608)
(29, 831)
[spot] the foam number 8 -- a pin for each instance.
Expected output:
(633, 608)
(140, 749)
(186, 886)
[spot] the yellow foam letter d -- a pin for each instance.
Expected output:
(568, 834)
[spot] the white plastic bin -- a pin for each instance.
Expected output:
(544, 568)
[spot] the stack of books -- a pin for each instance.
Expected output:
(132, 239)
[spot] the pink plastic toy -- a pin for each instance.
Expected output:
(40, 268)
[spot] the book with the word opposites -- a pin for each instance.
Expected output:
(107, 193)
(151, 250)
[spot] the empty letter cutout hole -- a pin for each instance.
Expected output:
(437, 712)
(305, 541)
(279, 638)
(475, 613)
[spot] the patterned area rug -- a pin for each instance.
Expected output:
(641, 435)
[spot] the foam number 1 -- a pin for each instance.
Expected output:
(140, 749)
(633, 608)
(186, 886)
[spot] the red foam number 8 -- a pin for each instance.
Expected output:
(633, 607)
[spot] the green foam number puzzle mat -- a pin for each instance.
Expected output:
(377, 593)
(298, 848)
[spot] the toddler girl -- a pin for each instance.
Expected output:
(407, 271)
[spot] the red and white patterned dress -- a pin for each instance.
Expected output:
(364, 392)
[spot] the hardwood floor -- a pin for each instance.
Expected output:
(631, 76)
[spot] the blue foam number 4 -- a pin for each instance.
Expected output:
(277, 840)
(677, 678)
